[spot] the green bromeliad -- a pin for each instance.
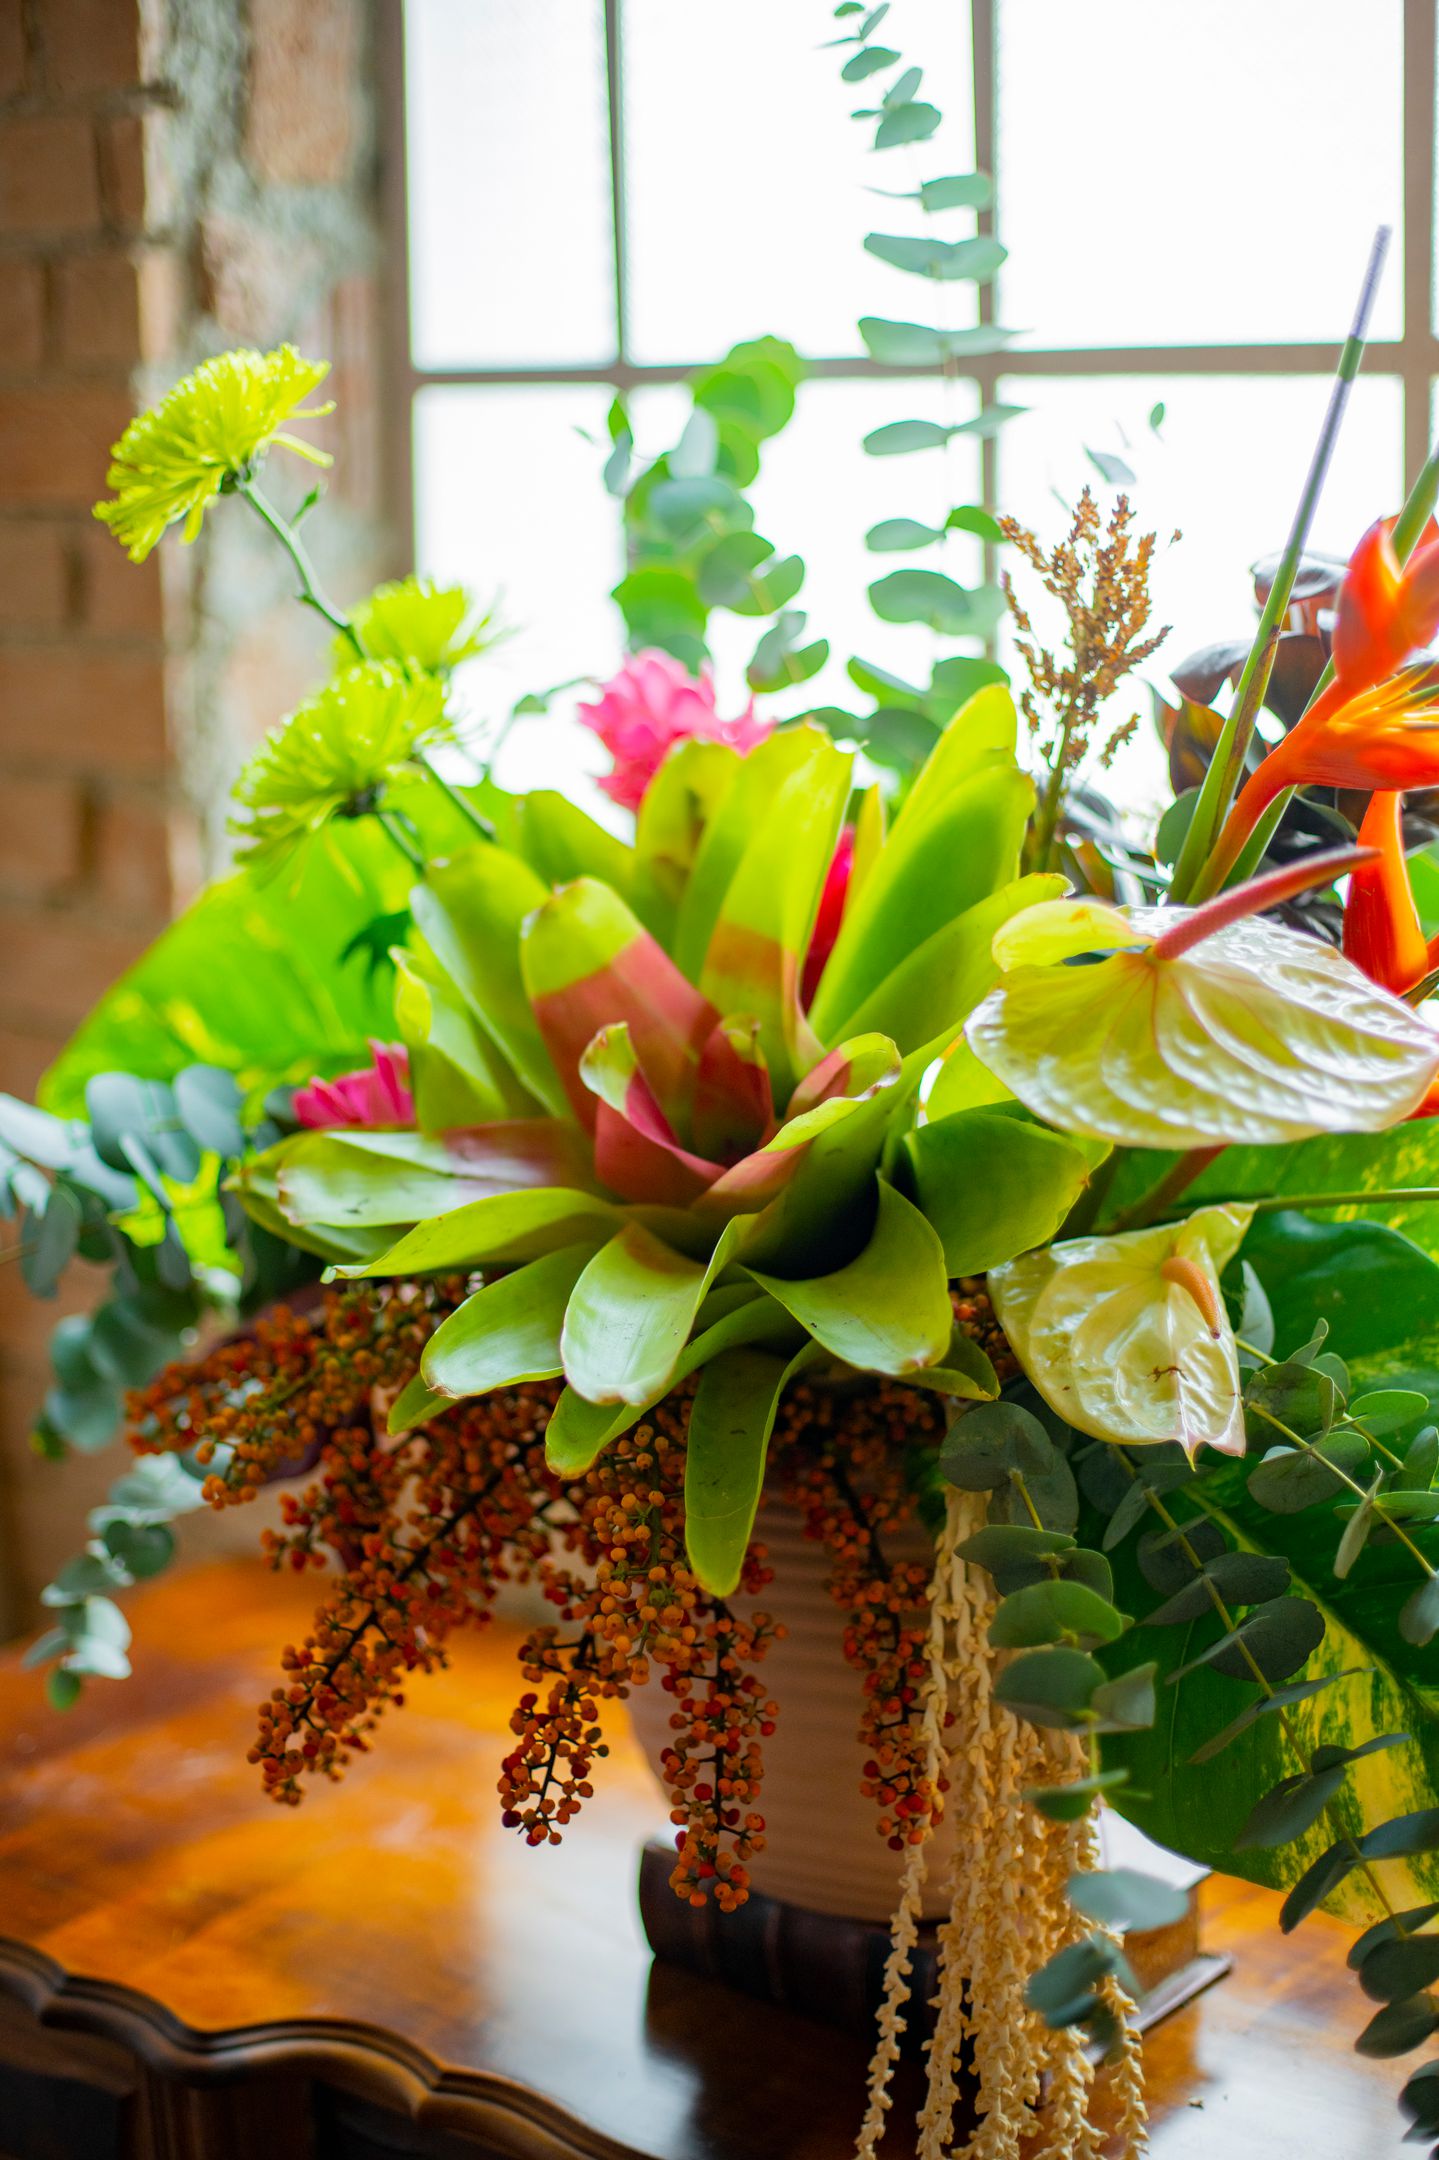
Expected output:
(625, 1109)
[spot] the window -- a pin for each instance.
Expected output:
(604, 194)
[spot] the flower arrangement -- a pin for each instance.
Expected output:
(878, 1131)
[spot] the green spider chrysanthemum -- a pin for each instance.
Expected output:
(334, 756)
(173, 460)
(420, 624)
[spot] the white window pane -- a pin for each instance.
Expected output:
(817, 495)
(511, 245)
(1225, 471)
(747, 178)
(509, 500)
(1173, 174)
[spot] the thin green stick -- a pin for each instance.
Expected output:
(1228, 761)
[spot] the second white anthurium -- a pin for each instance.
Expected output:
(1127, 1336)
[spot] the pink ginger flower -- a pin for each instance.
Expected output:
(651, 704)
(377, 1094)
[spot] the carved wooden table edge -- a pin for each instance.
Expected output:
(361, 2060)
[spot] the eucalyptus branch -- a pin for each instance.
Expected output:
(1287, 1725)
(1374, 1500)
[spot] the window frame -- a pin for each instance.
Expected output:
(1412, 359)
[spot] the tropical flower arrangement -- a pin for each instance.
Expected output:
(878, 1129)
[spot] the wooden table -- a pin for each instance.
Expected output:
(188, 1973)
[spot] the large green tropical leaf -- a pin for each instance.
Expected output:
(680, 804)
(888, 1310)
(1381, 1298)
(509, 1330)
(250, 978)
(731, 1419)
(470, 911)
(1407, 1156)
(456, 1075)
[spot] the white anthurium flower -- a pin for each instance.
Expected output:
(1127, 1336)
(1182, 1035)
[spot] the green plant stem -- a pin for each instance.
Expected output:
(1307, 1447)
(390, 824)
(1227, 765)
(1155, 1203)
(312, 597)
(1408, 527)
(1400, 1196)
(1287, 1726)
(310, 593)
(466, 809)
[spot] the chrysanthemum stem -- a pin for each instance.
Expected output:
(310, 593)
(397, 834)
(467, 810)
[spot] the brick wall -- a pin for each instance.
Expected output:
(176, 176)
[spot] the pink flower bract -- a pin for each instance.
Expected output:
(377, 1094)
(651, 704)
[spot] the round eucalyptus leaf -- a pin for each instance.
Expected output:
(1050, 1688)
(987, 1443)
(1125, 1898)
(1278, 1637)
(1070, 1803)
(1052, 1612)
(208, 1101)
(1399, 2027)
(1289, 1808)
(1000, 1544)
(725, 571)
(1388, 1930)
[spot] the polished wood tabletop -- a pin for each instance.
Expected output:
(393, 1941)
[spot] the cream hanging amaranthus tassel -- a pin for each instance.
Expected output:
(1008, 1910)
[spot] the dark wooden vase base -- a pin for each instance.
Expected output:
(833, 1969)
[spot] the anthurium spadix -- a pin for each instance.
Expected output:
(1127, 1336)
(1185, 1029)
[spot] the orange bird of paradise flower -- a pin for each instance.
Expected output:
(1376, 725)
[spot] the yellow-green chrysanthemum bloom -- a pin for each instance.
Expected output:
(333, 758)
(173, 460)
(420, 625)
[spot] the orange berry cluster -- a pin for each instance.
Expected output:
(846, 1471)
(635, 1602)
(421, 1531)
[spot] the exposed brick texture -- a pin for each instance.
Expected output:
(175, 176)
(302, 117)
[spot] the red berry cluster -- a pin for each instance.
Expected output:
(635, 1602)
(422, 1529)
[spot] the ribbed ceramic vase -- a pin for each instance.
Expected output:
(822, 1849)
